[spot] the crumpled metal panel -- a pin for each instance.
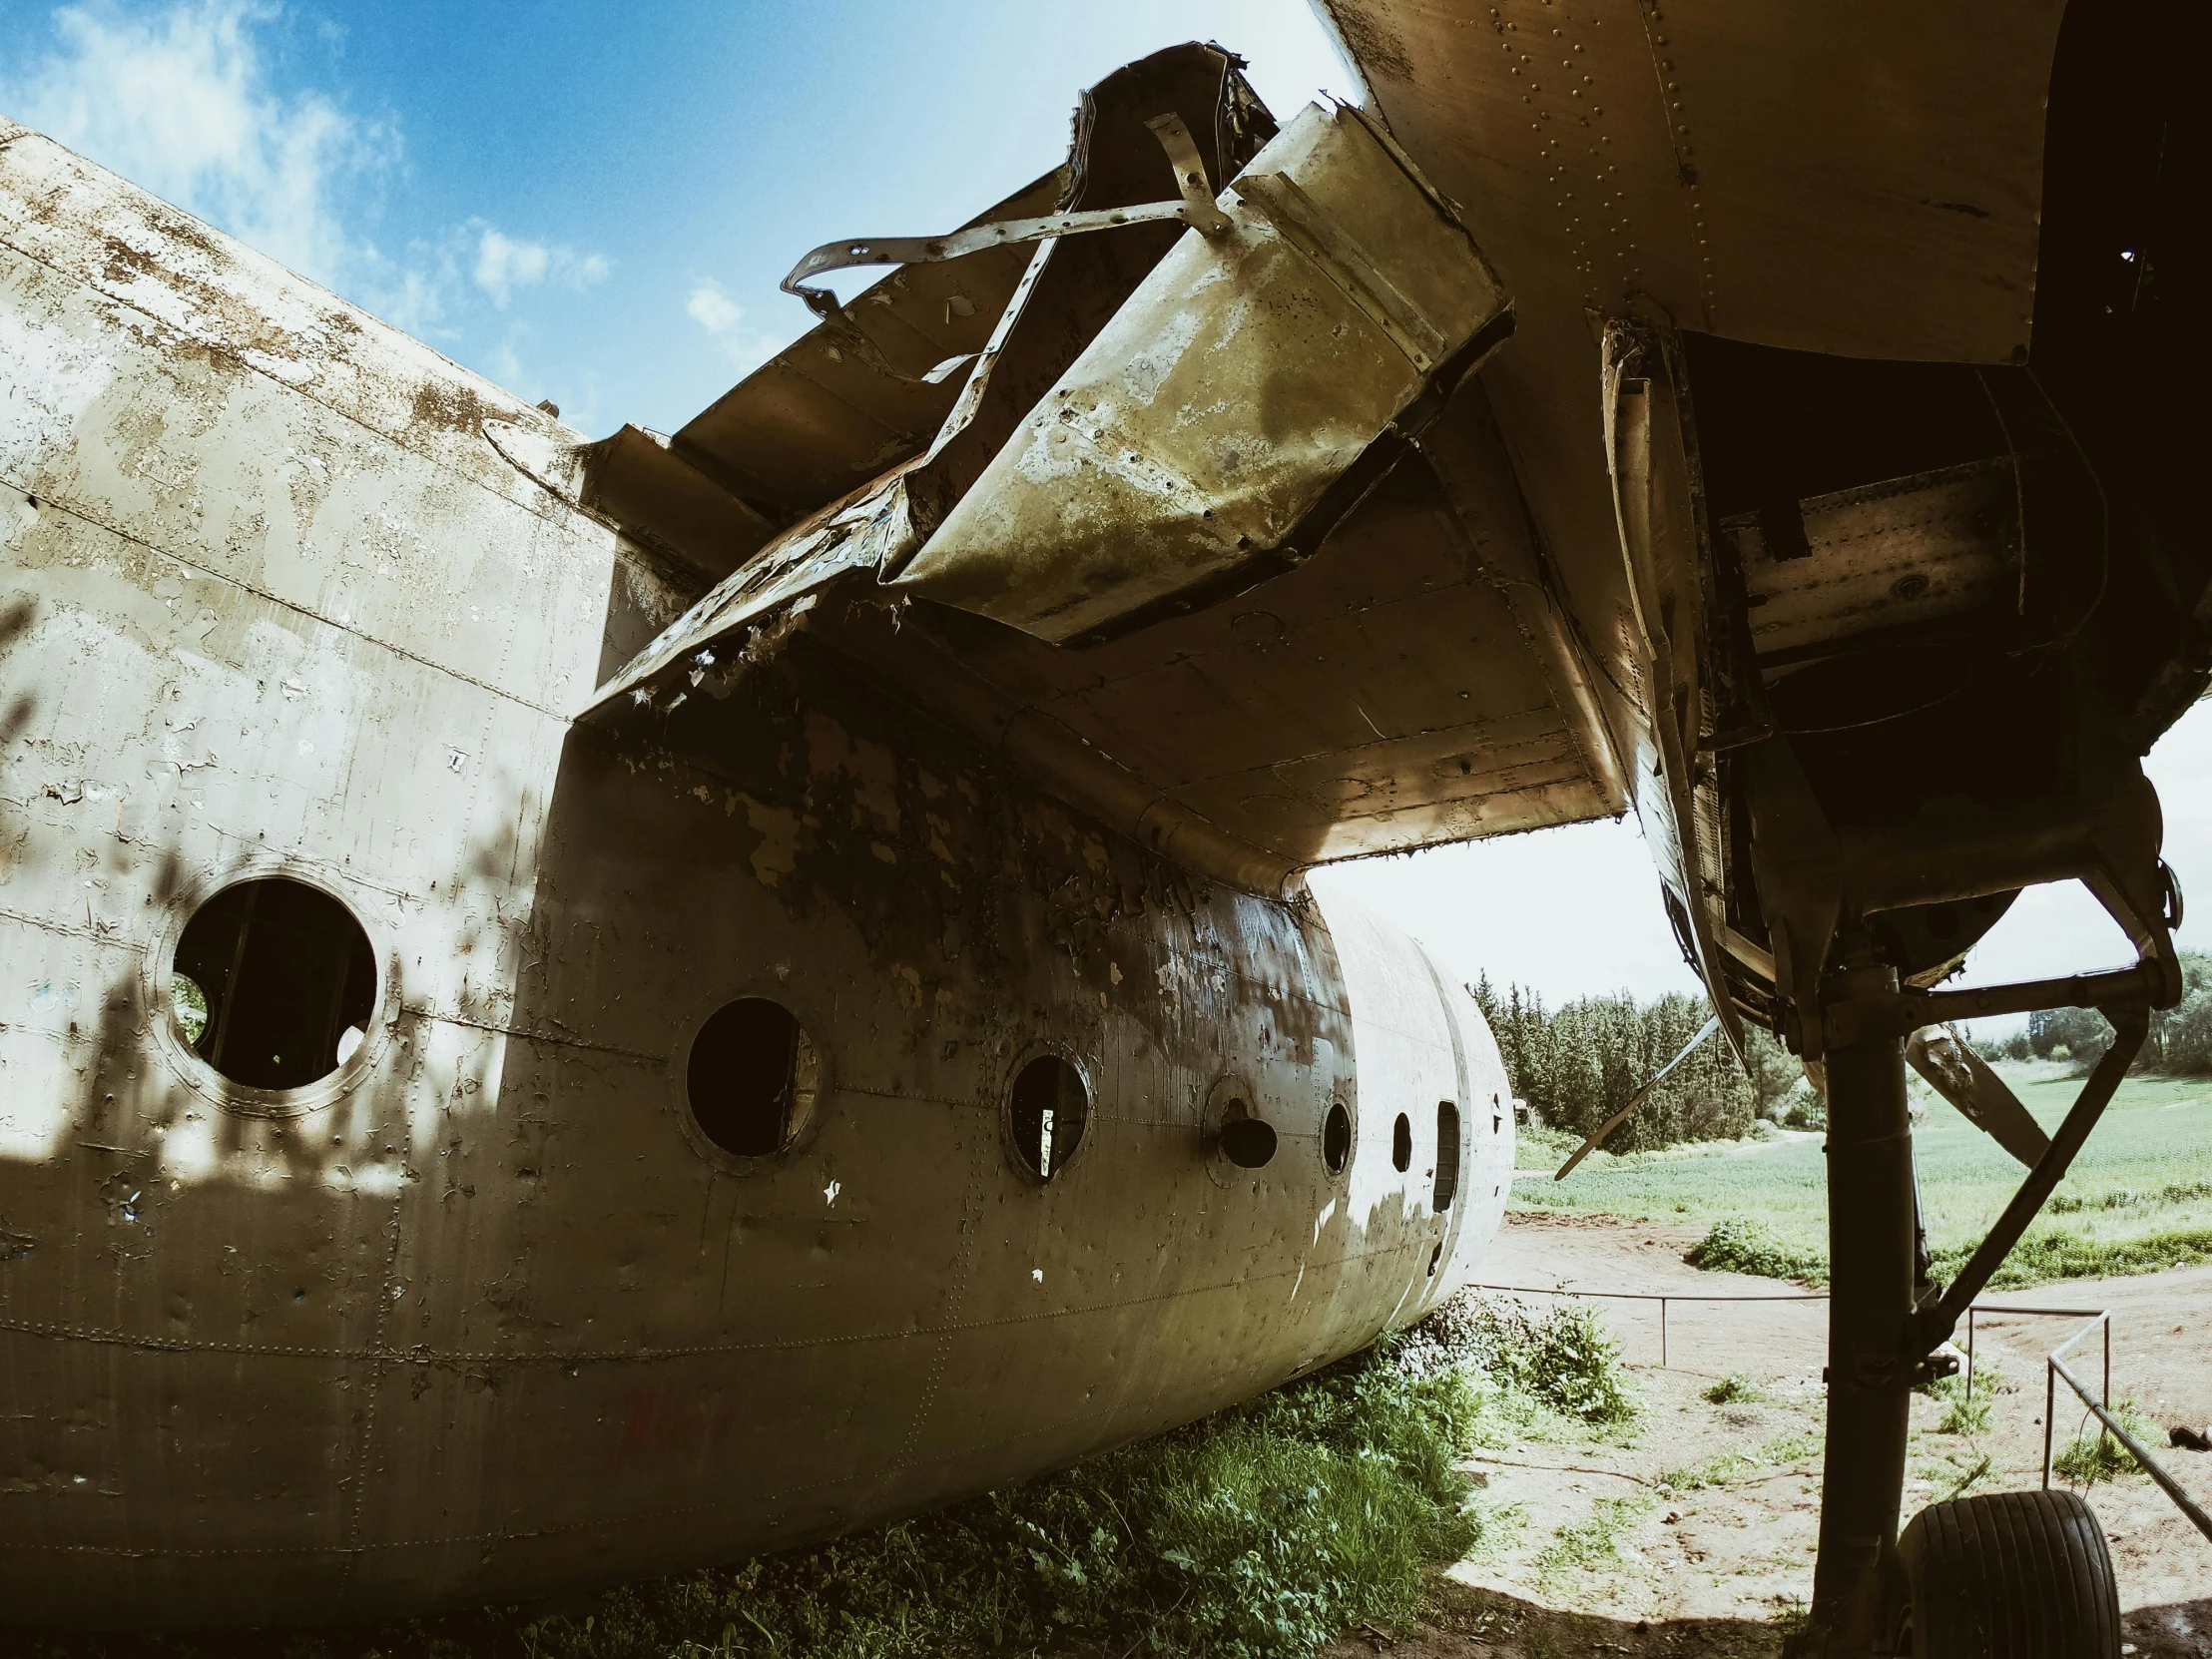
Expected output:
(1248, 373)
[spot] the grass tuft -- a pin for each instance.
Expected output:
(1963, 1415)
(1593, 1546)
(1731, 1466)
(1961, 1475)
(1736, 1388)
(1740, 1244)
(1267, 1529)
(2099, 1454)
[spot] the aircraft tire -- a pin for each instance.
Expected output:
(2009, 1575)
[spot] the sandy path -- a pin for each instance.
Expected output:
(1709, 1571)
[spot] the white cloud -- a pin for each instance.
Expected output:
(183, 101)
(504, 264)
(714, 310)
(179, 102)
(711, 307)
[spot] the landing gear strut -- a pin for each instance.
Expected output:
(1938, 1593)
(1871, 1235)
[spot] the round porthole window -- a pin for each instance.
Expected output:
(1047, 1114)
(1335, 1137)
(1401, 1143)
(753, 1077)
(273, 984)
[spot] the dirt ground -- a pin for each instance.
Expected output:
(1697, 1537)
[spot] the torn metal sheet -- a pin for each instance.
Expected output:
(1248, 374)
(637, 482)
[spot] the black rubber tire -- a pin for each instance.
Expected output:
(2009, 1575)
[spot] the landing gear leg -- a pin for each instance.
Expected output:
(1871, 1252)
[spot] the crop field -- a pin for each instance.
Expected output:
(2139, 1197)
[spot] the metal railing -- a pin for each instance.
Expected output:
(1661, 1296)
(2054, 1368)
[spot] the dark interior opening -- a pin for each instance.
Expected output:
(1401, 1143)
(285, 983)
(1050, 1108)
(751, 1077)
(1335, 1137)
(1246, 1141)
(1447, 1156)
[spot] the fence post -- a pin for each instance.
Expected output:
(2050, 1413)
(1662, 1332)
(1969, 1352)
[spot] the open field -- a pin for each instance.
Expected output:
(1692, 1534)
(2139, 1196)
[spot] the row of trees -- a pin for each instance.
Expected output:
(1578, 1064)
(2179, 1043)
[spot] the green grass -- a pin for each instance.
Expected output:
(1964, 1415)
(1559, 1363)
(2139, 1197)
(2099, 1454)
(1736, 1388)
(1731, 1466)
(1959, 1475)
(1593, 1546)
(1268, 1529)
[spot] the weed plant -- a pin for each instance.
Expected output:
(1960, 1475)
(1561, 1362)
(1731, 1466)
(2099, 1454)
(1736, 1388)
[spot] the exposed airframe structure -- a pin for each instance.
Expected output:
(844, 1023)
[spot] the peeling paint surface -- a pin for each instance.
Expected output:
(483, 1314)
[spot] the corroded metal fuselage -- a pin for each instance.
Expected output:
(483, 1314)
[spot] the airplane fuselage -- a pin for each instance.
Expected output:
(493, 1309)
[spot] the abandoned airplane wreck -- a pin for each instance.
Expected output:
(578, 1008)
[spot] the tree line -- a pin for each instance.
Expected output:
(2179, 1043)
(1578, 1064)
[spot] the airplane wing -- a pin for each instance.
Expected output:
(1329, 631)
(1762, 420)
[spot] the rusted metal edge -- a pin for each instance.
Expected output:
(1196, 208)
(1044, 749)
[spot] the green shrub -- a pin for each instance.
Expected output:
(1739, 1244)
(1563, 1359)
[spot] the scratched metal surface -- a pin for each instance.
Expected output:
(480, 1316)
(1862, 180)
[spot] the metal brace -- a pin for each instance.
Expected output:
(1196, 208)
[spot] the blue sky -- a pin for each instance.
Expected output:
(594, 204)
